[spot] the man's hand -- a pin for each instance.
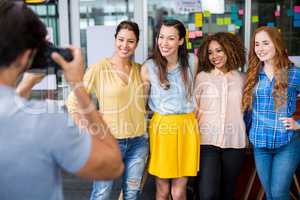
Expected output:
(74, 70)
(27, 83)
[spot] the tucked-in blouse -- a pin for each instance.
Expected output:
(122, 104)
(267, 130)
(174, 100)
(220, 102)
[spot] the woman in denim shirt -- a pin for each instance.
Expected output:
(174, 135)
(271, 90)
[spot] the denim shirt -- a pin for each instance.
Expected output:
(174, 100)
(267, 130)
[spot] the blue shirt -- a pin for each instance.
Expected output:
(35, 144)
(174, 100)
(267, 131)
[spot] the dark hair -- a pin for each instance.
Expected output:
(21, 29)
(183, 56)
(132, 26)
(232, 47)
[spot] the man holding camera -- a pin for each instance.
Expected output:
(35, 145)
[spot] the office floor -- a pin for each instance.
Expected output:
(78, 189)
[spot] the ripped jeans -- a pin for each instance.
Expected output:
(134, 153)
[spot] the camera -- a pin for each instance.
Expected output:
(43, 60)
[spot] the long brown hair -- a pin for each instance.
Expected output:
(232, 47)
(280, 63)
(183, 57)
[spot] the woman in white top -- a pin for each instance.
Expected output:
(218, 91)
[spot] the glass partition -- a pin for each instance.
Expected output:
(103, 12)
(200, 18)
(285, 15)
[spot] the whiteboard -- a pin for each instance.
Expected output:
(100, 42)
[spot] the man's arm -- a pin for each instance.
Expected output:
(105, 161)
(28, 81)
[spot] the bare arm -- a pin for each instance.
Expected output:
(197, 97)
(146, 82)
(29, 80)
(105, 161)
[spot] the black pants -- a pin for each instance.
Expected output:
(219, 169)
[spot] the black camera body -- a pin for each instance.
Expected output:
(43, 60)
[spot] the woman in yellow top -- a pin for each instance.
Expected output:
(117, 84)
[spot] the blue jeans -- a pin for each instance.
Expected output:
(275, 168)
(134, 153)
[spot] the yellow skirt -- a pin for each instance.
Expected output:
(174, 145)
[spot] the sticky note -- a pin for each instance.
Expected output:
(191, 27)
(234, 9)
(231, 27)
(296, 16)
(296, 23)
(189, 45)
(271, 24)
(187, 33)
(290, 12)
(227, 20)
(234, 16)
(238, 22)
(206, 13)
(277, 13)
(198, 19)
(255, 19)
(192, 35)
(297, 9)
(220, 21)
(198, 33)
(241, 12)
(278, 7)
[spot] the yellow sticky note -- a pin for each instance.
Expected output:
(189, 45)
(255, 19)
(186, 33)
(220, 21)
(206, 13)
(227, 20)
(198, 19)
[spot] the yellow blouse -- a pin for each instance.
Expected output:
(122, 104)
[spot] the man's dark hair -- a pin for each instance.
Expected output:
(20, 29)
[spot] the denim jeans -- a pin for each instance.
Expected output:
(134, 153)
(275, 168)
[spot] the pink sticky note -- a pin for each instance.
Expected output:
(241, 11)
(196, 51)
(277, 13)
(198, 33)
(297, 9)
(192, 35)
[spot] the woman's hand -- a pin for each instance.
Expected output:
(290, 123)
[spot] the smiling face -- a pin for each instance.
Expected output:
(216, 55)
(264, 47)
(125, 43)
(169, 41)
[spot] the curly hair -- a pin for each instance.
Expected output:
(232, 47)
(280, 63)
